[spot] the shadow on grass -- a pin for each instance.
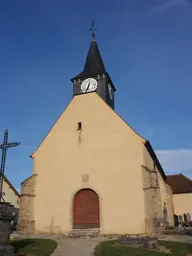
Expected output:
(35, 247)
(20, 244)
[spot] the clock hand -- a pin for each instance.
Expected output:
(88, 87)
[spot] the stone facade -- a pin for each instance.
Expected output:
(26, 223)
(170, 205)
(167, 200)
(157, 196)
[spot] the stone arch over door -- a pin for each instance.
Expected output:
(86, 210)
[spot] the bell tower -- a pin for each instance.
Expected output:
(94, 77)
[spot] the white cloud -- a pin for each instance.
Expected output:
(176, 161)
(169, 4)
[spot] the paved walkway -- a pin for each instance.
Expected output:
(76, 247)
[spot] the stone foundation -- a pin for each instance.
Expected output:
(150, 242)
(86, 233)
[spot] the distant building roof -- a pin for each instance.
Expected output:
(10, 185)
(179, 184)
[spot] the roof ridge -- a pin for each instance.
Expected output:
(187, 178)
(173, 175)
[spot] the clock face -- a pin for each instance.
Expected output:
(89, 85)
(110, 91)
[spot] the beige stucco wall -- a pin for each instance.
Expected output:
(10, 196)
(108, 151)
(182, 203)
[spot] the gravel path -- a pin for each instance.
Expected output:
(178, 238)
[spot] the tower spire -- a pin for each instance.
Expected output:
(94, 70)
(92, 29)
(94, 64)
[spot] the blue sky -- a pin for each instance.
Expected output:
(146, 48)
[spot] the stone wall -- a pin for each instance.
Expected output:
(167, 200)
(153, 205)
(170, 205)
(26, 223)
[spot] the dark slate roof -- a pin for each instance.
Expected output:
(179, 183)
(94, 63)
(155, 159)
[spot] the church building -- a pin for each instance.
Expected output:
(92, 170)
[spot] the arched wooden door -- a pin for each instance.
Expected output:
(86, 209)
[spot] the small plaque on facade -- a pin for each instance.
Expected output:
(85, 177)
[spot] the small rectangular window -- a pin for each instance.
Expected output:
(79, 126)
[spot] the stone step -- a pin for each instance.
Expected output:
(85, 233)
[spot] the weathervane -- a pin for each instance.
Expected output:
(93, 28)
(4, 148)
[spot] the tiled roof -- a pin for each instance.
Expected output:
(179, 183)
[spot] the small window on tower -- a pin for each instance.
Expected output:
(79, 126)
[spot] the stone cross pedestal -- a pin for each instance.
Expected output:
(5, 231)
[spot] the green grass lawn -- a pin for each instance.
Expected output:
(108, 249)
(34, 247)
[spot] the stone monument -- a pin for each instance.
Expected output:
(5, 230)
